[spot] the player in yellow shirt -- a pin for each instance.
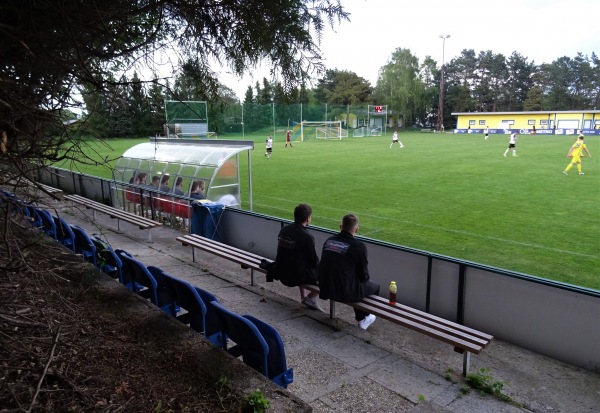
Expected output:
(575, 153)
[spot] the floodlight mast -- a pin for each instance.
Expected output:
(440, 122)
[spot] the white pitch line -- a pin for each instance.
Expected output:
(453, 231)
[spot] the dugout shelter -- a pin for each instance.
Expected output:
(216, 162)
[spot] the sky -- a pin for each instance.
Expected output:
(540, 30)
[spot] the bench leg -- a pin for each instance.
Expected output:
(331, 309)
(466, 363)
(252, 276)
(193, 254)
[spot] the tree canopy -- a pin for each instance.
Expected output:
(51, 48)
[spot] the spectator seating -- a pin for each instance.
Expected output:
(140, 280)
(252, 346)
(64, 233)
(84, 245)
(197, 315)
(106, 259)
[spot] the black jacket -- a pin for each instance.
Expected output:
(297, 260)
(343, 269)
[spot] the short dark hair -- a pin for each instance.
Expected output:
(349, 223)
(301, 213)
(178, 181)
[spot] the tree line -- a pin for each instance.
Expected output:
(474, 82)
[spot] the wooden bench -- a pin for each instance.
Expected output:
(37, 185)
(464, 339)
(115, 213)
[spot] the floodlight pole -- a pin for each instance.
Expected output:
(243, 134)
(440, 122)
(273, 120)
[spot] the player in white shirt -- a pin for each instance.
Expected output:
(512, 144)
(395, 140)
(269, 145)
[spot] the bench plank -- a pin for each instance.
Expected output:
(114, 213)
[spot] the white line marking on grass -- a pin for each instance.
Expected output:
(435, 228)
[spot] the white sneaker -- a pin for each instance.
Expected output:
(565, 173)
(312, 303)
(580, 173)
(367, 321)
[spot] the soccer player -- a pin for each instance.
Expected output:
(512, 144)
(486, 132)
(395, 140)
(288, 139)
(575, 153)
(269, 146)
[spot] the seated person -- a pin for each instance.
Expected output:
(297, 261)
(178, 185)
(164, 184)
(197, 191)
(344, 272)
(155, 182)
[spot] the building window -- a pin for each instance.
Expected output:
(482, 122)
(471, 122)
(531, 122)
(509, 122)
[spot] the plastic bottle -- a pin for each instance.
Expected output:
(393, 291)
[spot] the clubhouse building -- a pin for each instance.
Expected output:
(562, 122)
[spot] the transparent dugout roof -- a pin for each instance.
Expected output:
(216, 162)
(187, 152)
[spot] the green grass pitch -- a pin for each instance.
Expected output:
(450, 194)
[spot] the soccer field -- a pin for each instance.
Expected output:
(449, 194)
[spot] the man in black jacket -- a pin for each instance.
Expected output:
(344, 272)
(297, 261)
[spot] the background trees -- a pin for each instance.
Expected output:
(52, 50)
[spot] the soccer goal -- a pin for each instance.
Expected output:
(322, 130)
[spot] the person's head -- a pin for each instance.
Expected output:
(302, 214)
(156, 180)
(179, 181)
(349, 223)
(198, 186)
(142, 177)
(580, 137)
(164, 180)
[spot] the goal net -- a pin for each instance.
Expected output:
(322, 130)
(366, 131)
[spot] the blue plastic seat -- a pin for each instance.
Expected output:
(64, 234)
(84, 245)
(126, 277)
(140, 280)
(48, 225)
(277, 365)
(106, 258)
(258, 344)
(33, 216)
(198, 316)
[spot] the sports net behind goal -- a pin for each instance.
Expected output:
(322, 130)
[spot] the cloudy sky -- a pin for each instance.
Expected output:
(541, 30)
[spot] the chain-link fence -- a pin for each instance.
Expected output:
(250, 118)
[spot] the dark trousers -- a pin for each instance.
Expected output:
(369, 288)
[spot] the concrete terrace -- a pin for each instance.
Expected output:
(340, 368)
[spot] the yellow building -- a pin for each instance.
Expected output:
(563, 122)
